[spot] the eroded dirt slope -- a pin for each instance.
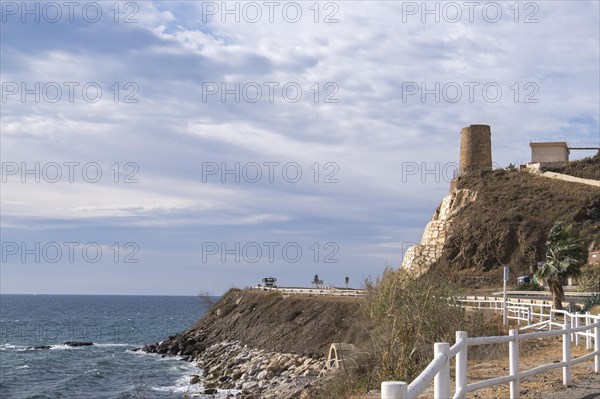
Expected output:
(268, 321)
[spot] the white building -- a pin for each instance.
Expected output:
(550, 153)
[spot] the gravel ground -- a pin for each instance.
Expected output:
(583, 388)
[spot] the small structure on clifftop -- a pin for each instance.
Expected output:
(549, 154)
(555, 154)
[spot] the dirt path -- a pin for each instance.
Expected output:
(541, 386)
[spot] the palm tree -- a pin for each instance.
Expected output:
(565, 254)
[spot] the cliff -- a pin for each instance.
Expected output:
(502, 218)
(268, 321)
(263, 344)
(420, 257)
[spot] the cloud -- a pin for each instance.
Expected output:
(372, 135)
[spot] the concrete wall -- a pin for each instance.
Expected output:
(549, 154)
(475, 149)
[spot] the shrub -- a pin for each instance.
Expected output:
(589, 281)
(531, 286)
(574, 308)
(591, 303)
(407, 316)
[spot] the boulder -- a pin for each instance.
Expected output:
(76, 344)
(38, 347)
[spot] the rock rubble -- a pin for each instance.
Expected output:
(256, 373)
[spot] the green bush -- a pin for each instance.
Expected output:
(591, 302)
(531, 286)
(574, 308)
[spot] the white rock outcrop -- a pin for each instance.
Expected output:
(419, 258)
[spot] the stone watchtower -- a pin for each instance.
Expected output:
(475, 149)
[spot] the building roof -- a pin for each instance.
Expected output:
(550, 144)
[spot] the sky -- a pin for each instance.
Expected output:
(186, 147)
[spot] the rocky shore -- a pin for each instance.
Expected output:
(256, 373)
(250, 373)
(261, 345)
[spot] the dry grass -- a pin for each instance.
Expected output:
(405, 317)
(586, 168)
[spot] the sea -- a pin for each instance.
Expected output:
(111, 367)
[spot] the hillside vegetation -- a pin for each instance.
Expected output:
(587, 168)
(509, 223)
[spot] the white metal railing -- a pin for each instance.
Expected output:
(522, 310)
(544, 293)
(325, 291)
(574, 327)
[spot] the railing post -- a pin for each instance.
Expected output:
(588, 333)
(461, 365)
(441, 382)
(597, 346)
(513, 363)
(567, 352)
(542, 312)
(504, 304)
(551, 320)
(394, 390)
(576, 324)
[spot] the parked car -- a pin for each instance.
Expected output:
(270, 281)
(523, 280)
